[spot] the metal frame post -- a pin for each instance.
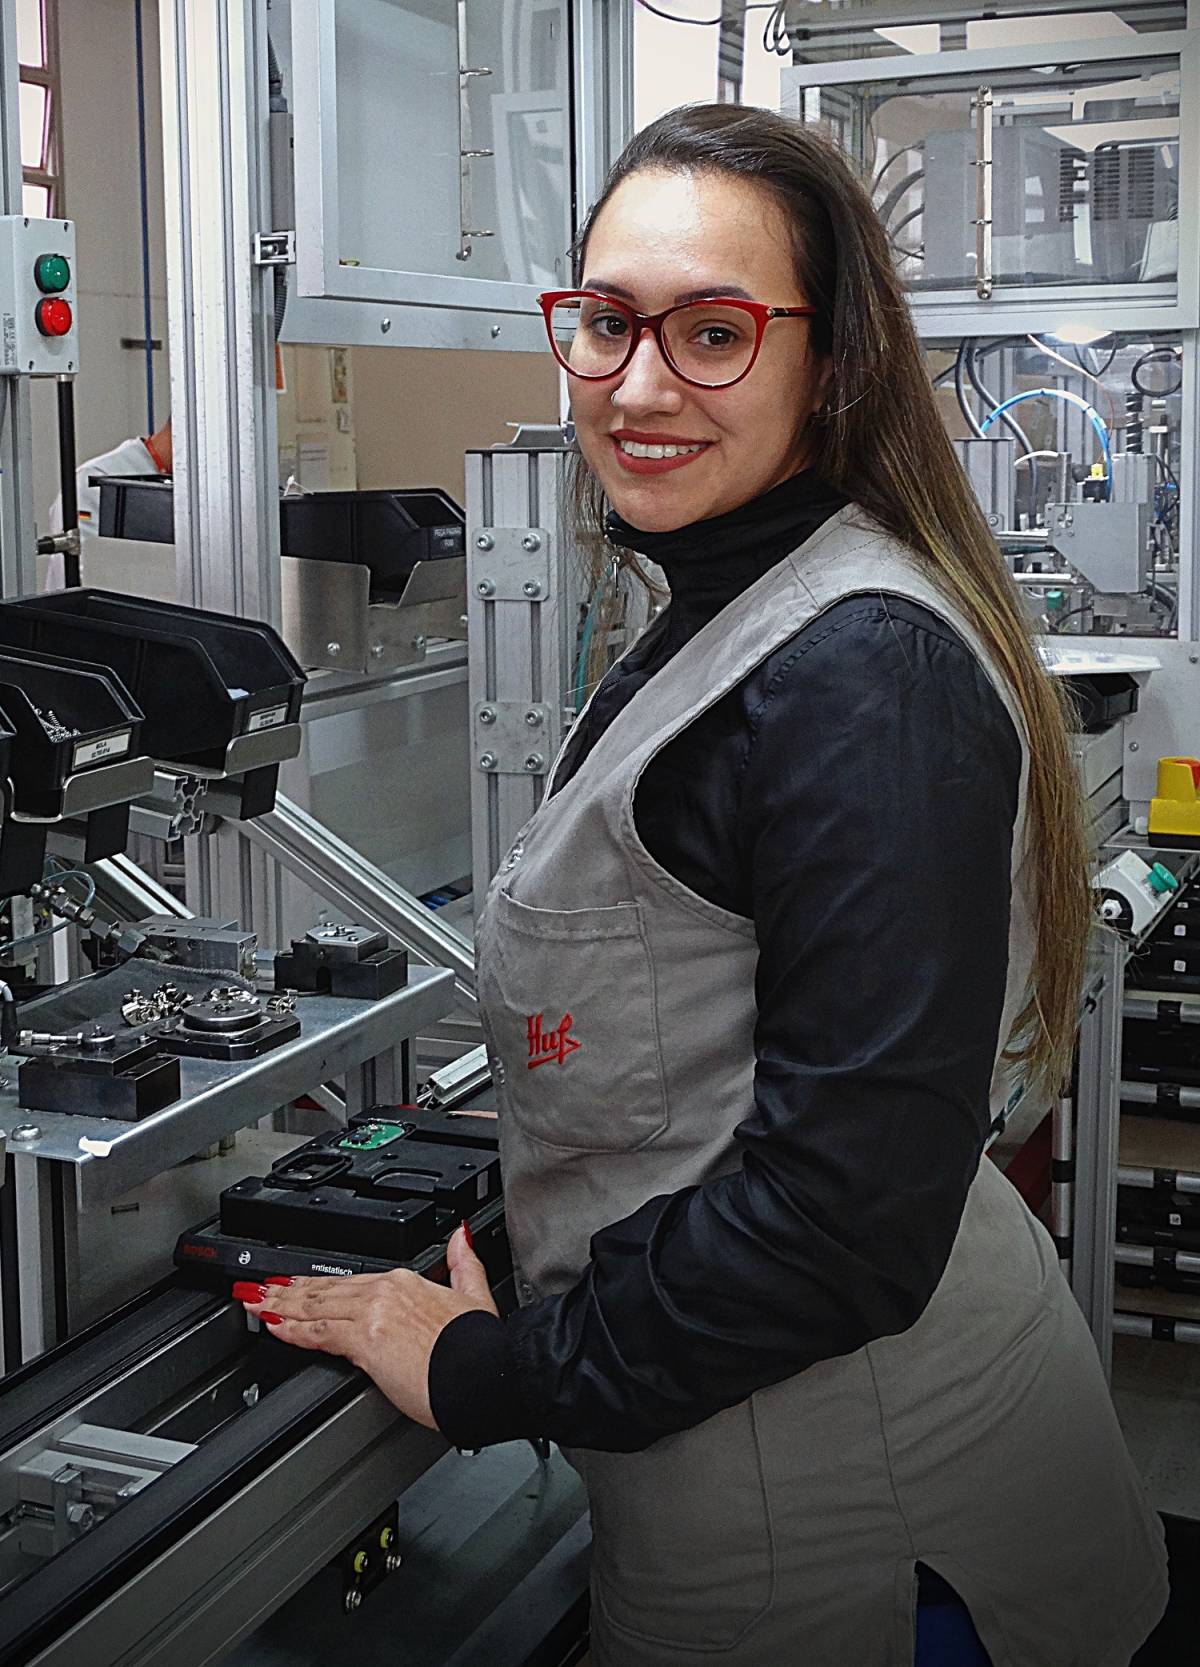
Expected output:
(18, 540)
(1097, 1133)
(217, 198)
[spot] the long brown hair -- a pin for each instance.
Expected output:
(880, 440)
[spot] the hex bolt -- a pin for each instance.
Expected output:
(531, 588)
(333, 648)
(531, 542)
(533, 718)
(487, 715)
(81, 1515)
(485, 587)
(487, 761)
(419, 644)
(534, 762)
(485, 541)
(26, 1131)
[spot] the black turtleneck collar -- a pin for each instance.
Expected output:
(710, 562)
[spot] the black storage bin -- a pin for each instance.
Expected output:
(386, 531)
(201, 678)
(137, 506)
(1101, 698)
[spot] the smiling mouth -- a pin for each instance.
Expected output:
(639, 448)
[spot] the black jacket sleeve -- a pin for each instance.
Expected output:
(875, 818)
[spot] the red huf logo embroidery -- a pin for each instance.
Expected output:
(547, 1045)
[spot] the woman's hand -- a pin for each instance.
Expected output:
(386, 1323)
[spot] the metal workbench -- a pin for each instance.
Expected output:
(63, 1165)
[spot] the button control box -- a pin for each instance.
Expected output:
(39, 323)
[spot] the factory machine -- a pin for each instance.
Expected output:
(167, 1471)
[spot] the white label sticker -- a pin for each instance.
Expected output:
(269, 718)
(108, 746)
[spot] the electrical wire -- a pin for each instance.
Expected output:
(1011, 423)
(893, 159)
(1078, 370)
(1055, 625)
(57, 876)
(708, 22)
(1156, 355)
(959, 371)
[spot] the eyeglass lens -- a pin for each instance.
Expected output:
(704, 341)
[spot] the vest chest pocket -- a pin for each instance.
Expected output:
(570, 1002)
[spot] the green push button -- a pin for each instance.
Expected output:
(51, 274)
(1054, 601)
(1161, 879)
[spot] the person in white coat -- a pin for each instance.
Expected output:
(148, 455)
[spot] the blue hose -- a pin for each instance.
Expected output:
(1080, 404)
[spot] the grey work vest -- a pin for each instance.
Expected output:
(619, 1010)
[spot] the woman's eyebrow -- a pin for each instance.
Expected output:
(733, 291)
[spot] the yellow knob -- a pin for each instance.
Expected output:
(361, 1562)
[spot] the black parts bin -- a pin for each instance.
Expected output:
(221, 696)
(368, 579)
(75, 753)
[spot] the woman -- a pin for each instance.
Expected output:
(807, 891)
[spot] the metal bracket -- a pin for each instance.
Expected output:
(984, 276)
(511, 564)
(510, 737)
(274, 248)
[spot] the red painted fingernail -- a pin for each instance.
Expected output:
(468, 1235)
(278, 1279)
(271, 1319)
(247, 1291)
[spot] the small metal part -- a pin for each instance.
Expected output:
(250, 1396)
(49, 1039)
(352, 1600)
(26, 1132)
(392, 1561)
(283, 1001)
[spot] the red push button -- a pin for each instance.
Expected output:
(54, 316)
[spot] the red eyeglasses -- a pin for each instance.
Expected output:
(711, 343)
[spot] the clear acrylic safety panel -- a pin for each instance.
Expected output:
(1085, 171)
(827, 33)
(441, 173)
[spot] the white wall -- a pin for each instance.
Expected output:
(100, 163)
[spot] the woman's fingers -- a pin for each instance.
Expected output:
(325, 1335)
(467, 1275)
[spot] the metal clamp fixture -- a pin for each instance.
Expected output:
(467, 153)
(983, 104)
(275, 248)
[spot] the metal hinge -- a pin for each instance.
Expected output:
(274, 248)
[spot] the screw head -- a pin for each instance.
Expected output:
(531, 588)
(485, 541)
(487, 715)
(495, 331)
(333, 648)
(485, 587)
(392, 1561)
(419, 644)
(385, 325)
(377, 651)
(534, 719)
(1194, 659)
(26, 1131)
(352, 1600)
(487, 761)
(531, 541)
(534, 762)
(1133, 746)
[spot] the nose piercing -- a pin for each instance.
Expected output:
(612, 398)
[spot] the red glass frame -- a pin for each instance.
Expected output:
(757, 310)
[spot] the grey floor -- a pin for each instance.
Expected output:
(1156, 1390)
